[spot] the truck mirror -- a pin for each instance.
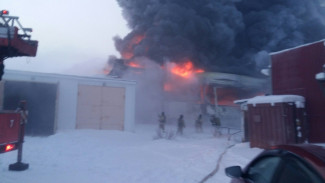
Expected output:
(234, 172)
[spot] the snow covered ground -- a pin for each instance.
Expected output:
(100, 156)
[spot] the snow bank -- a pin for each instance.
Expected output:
(320, 76)
(272, 99)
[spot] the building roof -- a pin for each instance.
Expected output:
(232, 80)
(272, 99)
(297, 47)
(53, 77)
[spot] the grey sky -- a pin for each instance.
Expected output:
(74, 34)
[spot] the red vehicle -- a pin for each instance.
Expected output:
(14, 42)
(9, 130)
(302, 163)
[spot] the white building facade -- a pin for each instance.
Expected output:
(84, 102)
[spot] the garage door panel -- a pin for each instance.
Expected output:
(89, 112)
(41, 100)
(113, 96)
(119, 110)
(113, 91)
(113, 113)
(112, 119)
(88, 126)
(89, 119)
(89, 95)
(90, 100)
(100, 107)
(114, 99)
(113, 102)
(85, 121)
(117, 126)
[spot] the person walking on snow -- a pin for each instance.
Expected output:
(215, 121)
(198, 124)
(180, 125)
(162, 121)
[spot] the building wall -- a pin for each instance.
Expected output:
(67, 110)
(293, 72)
(67, 97)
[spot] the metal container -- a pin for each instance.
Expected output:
(275, 120)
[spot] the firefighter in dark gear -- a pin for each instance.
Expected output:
(162, 121)
(180, 124)
(23, 112)
(198, 124)
(215, 121)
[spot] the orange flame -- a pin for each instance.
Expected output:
(127, 53)
(185, 70)
(134, 64)
(199, 71)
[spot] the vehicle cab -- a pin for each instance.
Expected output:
(302, 163)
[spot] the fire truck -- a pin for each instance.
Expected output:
(15, 41)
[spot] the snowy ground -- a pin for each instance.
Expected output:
(99, 156)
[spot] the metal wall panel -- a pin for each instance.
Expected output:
(293, 72)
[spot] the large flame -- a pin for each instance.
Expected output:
(185, 69)
(127, 53)
(134, 64)
(182, 75)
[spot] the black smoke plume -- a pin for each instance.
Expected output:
(233, 36)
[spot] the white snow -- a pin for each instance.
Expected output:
(320, 76)
(94, 156)
(272, 99)
(300, 46)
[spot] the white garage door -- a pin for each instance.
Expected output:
(100, 107)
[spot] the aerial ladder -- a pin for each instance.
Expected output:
(15, 41)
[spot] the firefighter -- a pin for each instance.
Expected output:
(198, 124)
(162, 121)
(23, 112)
(215, 121)
(180, 124)
(2, 67)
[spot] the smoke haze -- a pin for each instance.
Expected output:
(233, 36)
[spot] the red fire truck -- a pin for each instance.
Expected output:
(14, 42)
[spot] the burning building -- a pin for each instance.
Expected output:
(183, 89)
(207, 53)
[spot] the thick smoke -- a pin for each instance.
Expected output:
(223, 35)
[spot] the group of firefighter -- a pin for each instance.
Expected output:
(215, 122)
